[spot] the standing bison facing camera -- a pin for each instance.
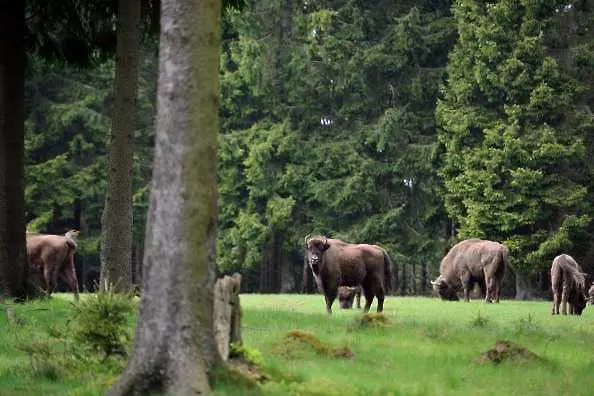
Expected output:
(469, 262)
(569, 285)
(335, 263)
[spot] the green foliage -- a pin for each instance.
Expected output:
(250, 355)
(328, 126)
(513, 148)
(100, 321)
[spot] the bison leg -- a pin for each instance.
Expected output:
(330, 296)
(378, 291)
(564, 301)
(51, 278)
(555, 303)
(69, 276)
(491, 290)
(358, 297)
(368, 291)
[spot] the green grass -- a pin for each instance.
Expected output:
(429, 347)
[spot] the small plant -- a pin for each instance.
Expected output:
(480, 321)
(100, 321)
(250, 355)
(526, 324)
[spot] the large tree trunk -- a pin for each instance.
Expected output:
(13, 255)
(174, 344)
(116, 249)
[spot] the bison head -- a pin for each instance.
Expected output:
(346, 296)
(445, 291)
(316, 246)
(579, 304)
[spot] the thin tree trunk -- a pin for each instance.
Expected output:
(403, 281)
(523, 291)
(174, 344)
(424, 280)
(13, 256)
(116, 249)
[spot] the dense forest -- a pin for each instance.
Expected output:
(410, 124)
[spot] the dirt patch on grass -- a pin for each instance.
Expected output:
(506, 351)
(370, 320)
(298, 339)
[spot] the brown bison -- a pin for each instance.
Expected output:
(336, 263)
(51, 256)
(569, 285)
(346, 296)
(470, 262)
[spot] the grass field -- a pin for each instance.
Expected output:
(429, 347)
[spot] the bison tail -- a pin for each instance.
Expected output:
(387, 272)
(71, 244)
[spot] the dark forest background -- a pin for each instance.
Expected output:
(410, 124)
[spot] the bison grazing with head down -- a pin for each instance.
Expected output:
(346, 296)
(469, 262)
(569, 285)
(336, 263)
(52, 256)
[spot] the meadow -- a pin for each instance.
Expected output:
(425, 347)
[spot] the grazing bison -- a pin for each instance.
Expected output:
(346, 296)
(336, 263)
(569, 285)
(53, 256)
(469, 262)
(591, 294)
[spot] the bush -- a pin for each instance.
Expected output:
(100, 321)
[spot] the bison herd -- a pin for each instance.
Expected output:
(345, 270)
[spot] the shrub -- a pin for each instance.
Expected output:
(100, 321)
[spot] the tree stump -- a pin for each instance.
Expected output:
(227, 313)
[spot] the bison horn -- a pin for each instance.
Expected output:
(325, 240)
(307, 237)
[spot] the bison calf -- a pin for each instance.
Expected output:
(568, 283)
(346, 296)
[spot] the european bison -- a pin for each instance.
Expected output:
(569, 285)
(336, 263)
(346, 296)
(53, 256)
(469, 262)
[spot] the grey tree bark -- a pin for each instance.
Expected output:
(174, 344)
(13, 254)
(116, 246)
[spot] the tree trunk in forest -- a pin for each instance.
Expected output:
(523, 290)
(13, 254)
(403, 281)
(424, 280)
(174, 343)
(116, 247)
